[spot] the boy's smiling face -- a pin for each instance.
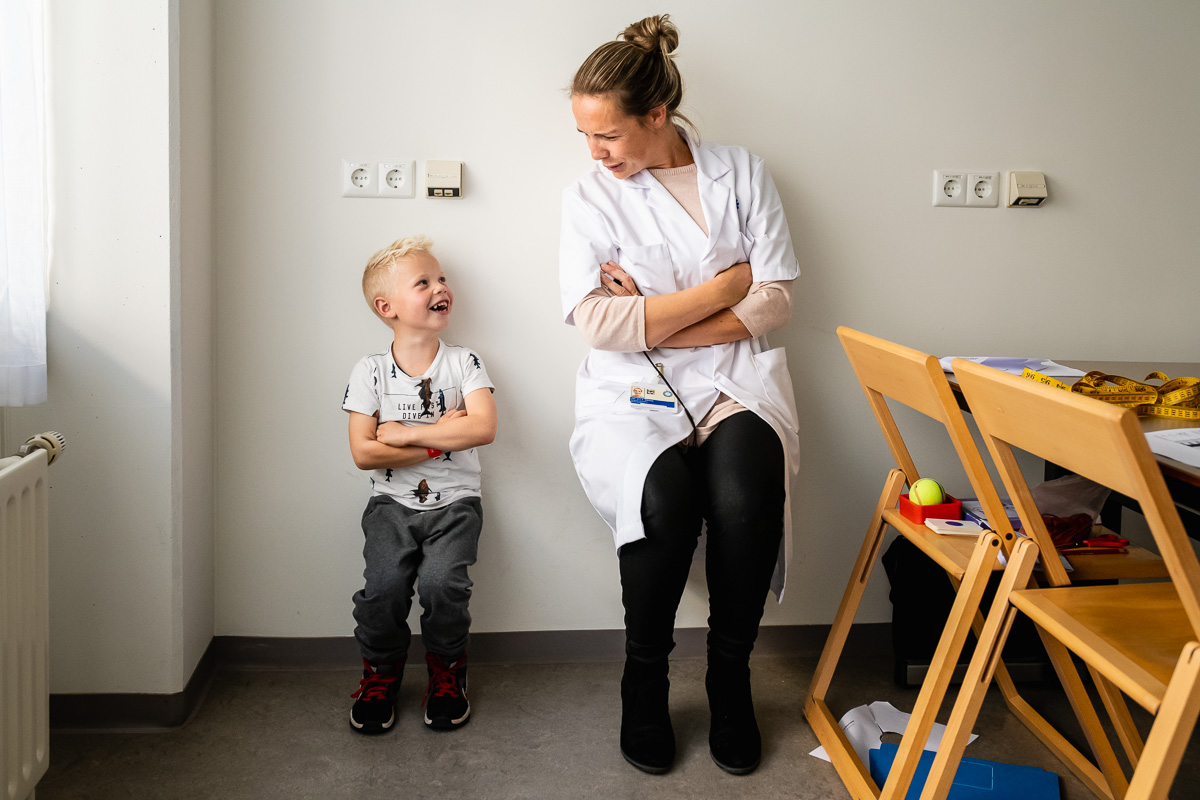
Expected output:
(420, 297)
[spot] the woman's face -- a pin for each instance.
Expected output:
(624, 145)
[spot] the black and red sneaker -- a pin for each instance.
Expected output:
(446, 706)
(374, 708)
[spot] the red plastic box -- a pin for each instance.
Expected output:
(918, 514)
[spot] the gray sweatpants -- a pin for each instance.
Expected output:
(430, 548)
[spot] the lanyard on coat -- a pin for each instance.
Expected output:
(658, 369)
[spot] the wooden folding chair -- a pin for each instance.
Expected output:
(1142, 640)
(886, 370)
(1103, 775)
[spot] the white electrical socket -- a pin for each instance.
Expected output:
(359, 179)
(396, 179)
(949, 188)
(983, 189)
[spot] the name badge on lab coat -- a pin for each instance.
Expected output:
(651, 398)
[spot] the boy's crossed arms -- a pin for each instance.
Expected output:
(393, 445)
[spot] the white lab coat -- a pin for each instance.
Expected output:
(639, 225)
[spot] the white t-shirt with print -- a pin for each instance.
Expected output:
(379, 387)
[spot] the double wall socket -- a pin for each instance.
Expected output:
(378, 179)
(980, 189)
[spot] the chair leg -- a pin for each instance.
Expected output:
(1083, 769)
(1172, 729)
(1085, 713)
(941, 668)
(1079, 764)
(1050, 737)
(979, 673)
(1118, 712)
(854, 774)
(852, 597)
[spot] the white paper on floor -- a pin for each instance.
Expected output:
(865, 726)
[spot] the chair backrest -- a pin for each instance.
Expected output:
(1101, 442)
(915, 379)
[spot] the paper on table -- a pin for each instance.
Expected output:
(1181, 444)
(1016, 366)
(864, 726)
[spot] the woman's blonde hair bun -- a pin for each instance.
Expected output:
(637, 69)
(653, 33)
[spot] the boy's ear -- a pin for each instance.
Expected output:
(383, 307)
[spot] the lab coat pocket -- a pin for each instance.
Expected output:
(650, 266)
(598, 395)
(777, 384)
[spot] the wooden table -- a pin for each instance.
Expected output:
(1183, 480)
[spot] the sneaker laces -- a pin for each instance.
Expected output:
(374, 686)
(443, 680)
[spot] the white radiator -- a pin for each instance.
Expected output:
(24, 618)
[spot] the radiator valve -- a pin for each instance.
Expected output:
(52, 442)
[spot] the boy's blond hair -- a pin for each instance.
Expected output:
(381, 269)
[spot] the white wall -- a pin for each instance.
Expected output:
(130, 341)
(852, 104)
(195, 402)
(108, 342)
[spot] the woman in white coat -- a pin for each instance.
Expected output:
(675, 258)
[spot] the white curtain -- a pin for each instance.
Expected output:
(22, 204)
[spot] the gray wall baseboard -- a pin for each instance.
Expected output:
(539, 647)
(111, 712)
(121, 712)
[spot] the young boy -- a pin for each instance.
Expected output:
(417, 411)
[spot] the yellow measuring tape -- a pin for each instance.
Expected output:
(1176, 399)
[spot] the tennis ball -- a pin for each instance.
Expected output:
(927, 492)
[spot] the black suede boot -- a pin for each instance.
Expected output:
(733, 736)
(647, 739)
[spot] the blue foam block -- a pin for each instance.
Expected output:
(975, 779)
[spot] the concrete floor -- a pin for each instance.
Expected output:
(537, 731)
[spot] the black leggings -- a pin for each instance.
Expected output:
(734, 481)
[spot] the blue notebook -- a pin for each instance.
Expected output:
(975, 779)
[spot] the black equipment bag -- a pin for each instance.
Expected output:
(922, 596)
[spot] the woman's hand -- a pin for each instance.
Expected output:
(617, 281)
(734, 283)
(670, 313)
